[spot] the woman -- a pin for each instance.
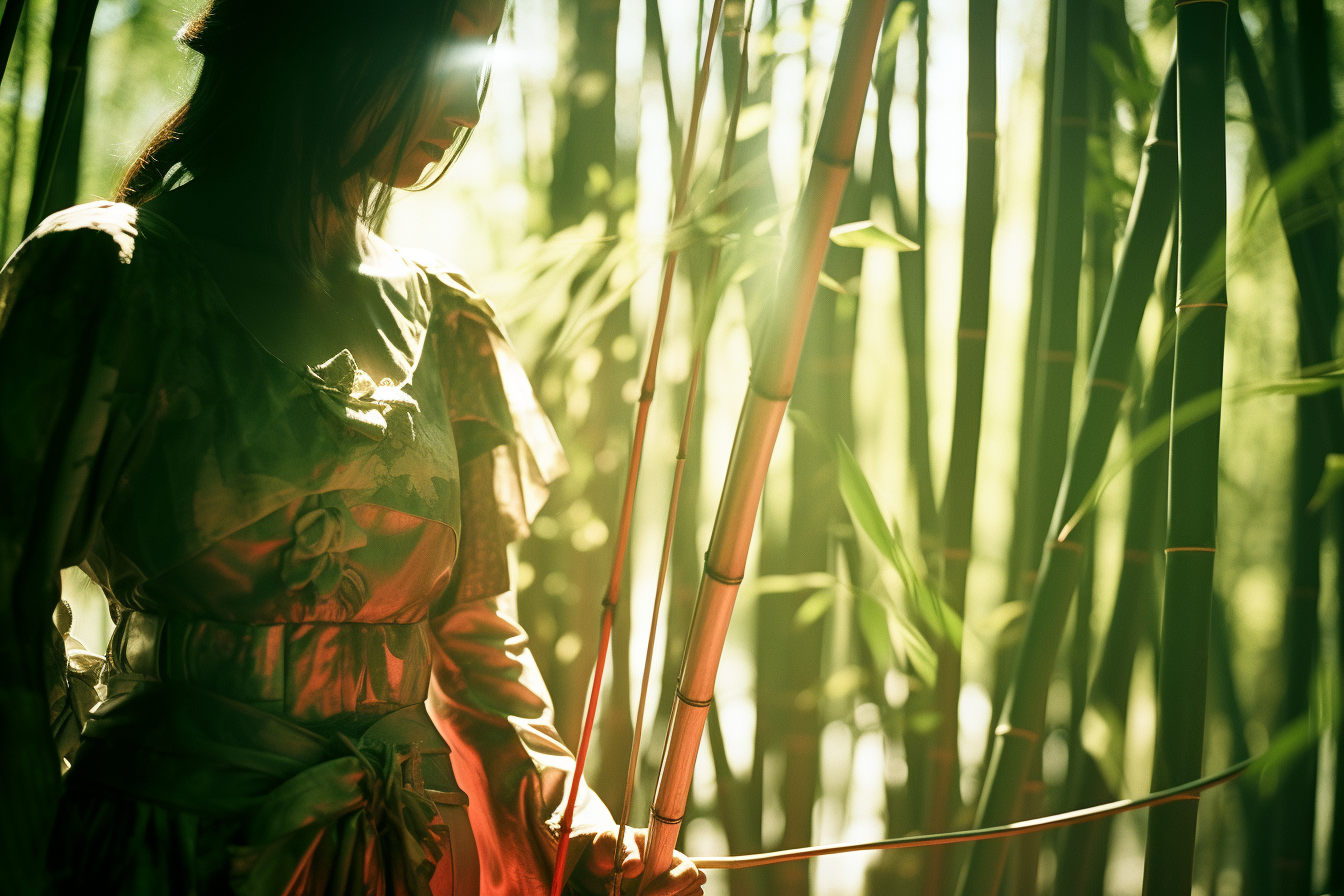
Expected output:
(292, 456)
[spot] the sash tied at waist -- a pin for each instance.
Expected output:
(371, 816)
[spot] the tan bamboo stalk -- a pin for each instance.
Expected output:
(636, 453)
(683, 449)
(958, 506)
(1192, 476)
(758, 426)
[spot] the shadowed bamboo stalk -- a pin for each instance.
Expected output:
(1192, 477)
(636, 453)
(12, 163)
(9, 28)
(57, 157)
(762, 412)
(683, 448)
(1024, 709)
(959, 492)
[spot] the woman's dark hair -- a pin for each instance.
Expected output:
(288, 85)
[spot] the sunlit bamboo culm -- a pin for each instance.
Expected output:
(972, 334)
(1061, 564)
(1192, 473)
(683, 450)
(758, 425)
(612, 598)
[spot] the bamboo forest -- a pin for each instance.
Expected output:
(951, 392)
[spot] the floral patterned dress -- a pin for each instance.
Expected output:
(316, 679)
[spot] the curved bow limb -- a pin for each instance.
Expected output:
(763, 409)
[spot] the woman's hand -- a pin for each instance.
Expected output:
(598, 860)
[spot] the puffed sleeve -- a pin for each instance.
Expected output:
(71, 411)
(488, 697)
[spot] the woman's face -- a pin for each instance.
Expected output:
(453, 100)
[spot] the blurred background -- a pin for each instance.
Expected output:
(822, 726)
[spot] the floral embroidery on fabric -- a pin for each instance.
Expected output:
(322, 539)
(375, 411)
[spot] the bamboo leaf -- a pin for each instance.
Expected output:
(873, 627)
(867, 235)
(1331, 480)
(783, 584)
(817, 605)
(829, 282)
(863, 508)
(752, 120)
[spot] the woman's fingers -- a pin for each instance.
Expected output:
(682, 879)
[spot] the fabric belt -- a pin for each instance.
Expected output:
(375, 816)
(310, 672)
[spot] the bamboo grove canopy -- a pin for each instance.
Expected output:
(993, 468)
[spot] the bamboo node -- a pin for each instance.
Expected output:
(971, 334)
(1006, 730)
(768, 396)
(666, 819)
(981, 135)
(1060, 545)
(701, 704)
(720, 577)
(1196, 550)
(1033, 786)
(824, 159)
(1104, 383)
(956, 553)
(1057, 355)
(1180, 3)
(1183, 307)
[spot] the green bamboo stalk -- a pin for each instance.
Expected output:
(824, 385)
(16, 128)
(1083, 849)
(1192, 491)
(772, 382)
(56, 174)
(959, 493)
(1018, 578)
(9, 28)
(1023, 715)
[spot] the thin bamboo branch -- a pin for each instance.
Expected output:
(1185, 792)
(758, 427)
(636, 453)
(1192, 491)
(683, 449)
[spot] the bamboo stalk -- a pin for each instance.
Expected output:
(57, 158)
(9, 28)
(1192, 502)
(1083, 849)
(959, 491)
(1023, 715)
(16, 132)
(632, 475)
(683, 449)
(762, 412)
